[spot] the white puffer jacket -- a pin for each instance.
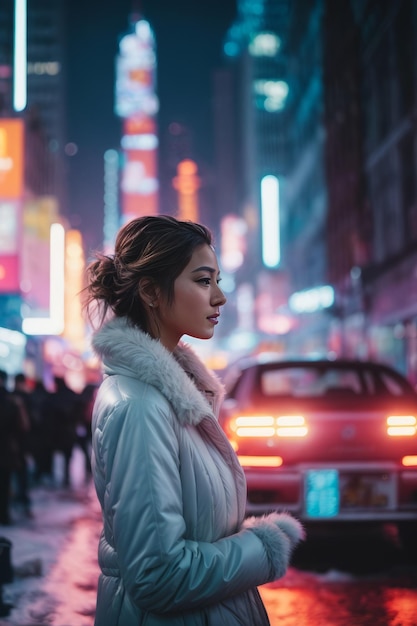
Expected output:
(174, 548)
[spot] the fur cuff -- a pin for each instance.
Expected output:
(290, 526)
(276, 542)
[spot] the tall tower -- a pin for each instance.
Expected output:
(137, 105)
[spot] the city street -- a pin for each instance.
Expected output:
(238, 177)
(350, 580)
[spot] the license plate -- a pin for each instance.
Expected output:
(322, 493)
(329, 492)
(367, 491)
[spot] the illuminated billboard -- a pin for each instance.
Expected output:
(139, 183)
(9, 226)
(38, 215)
(74, 330)
(136, 102)
(53, 324)
(9, 246)
(9, 273)
(11, 191)
(11, 158)
(233, 242)
(187, 183)
(135, 73)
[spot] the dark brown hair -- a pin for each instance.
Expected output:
(157, 248)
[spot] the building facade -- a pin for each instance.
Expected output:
(343, 146)
(371, 103)
(254, 109)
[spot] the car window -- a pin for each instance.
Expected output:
(385, 383)
(392, 385)
(342, 380)
(294, 381)
(311, 381)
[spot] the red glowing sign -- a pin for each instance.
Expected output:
(9, 273)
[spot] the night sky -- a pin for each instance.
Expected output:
(189, 36)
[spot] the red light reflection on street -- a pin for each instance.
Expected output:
(302, 599)
(401, 606)
(305, 606)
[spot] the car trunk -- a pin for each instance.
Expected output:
(345, 432)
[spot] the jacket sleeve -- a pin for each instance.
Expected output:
(162, 570)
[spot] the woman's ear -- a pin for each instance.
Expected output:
(148, 292)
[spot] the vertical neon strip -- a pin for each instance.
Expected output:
(20, 55)
(55, 323)
(270, 222)
(57, 276)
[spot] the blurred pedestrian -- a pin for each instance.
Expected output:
(41, 439)
(83, 424)
(61, 416)
(21, 395)
(10, 456)
(175, 548)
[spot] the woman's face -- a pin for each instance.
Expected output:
(197, 300)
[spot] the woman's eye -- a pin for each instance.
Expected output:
(205, 281)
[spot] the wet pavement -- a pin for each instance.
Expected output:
(68, 595)
(360, 577)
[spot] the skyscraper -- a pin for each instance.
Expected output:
(136, 104)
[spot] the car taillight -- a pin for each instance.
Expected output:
(266, 426)
(260, 461)
(291, 426)
(401, 425)
(253, 426)
(410, 460)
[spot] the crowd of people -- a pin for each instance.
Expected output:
(35, 424)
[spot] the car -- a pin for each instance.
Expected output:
(328, 440)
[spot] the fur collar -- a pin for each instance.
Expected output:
(193, 390)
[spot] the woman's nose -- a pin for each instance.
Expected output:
(219, 297)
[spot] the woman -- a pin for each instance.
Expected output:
(175, 548)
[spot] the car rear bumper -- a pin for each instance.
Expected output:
(341, 492)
